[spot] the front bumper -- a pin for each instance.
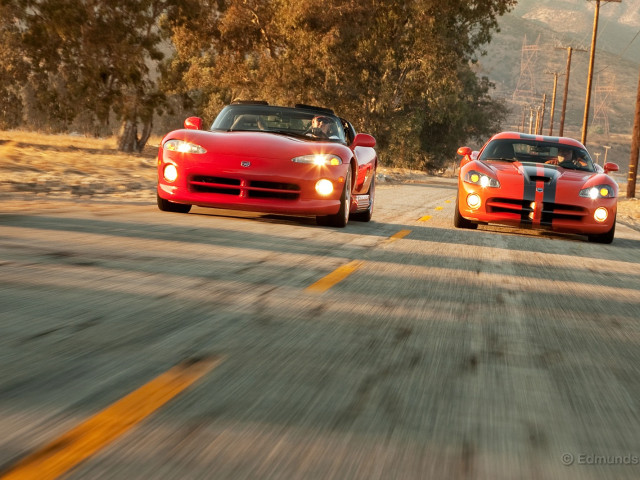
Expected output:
(562, 215)
(262, 186)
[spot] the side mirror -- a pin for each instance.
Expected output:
(363, 140)
(610, 167)
(193, 123)
(464, 151)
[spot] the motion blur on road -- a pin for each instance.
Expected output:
(441, 353)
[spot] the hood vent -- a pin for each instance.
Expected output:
(540, 178)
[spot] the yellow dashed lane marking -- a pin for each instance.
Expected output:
(339, 274)
(439, 208)
(398, 235)
(97, 432)
(425, 218)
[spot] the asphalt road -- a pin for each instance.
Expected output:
(139, 344)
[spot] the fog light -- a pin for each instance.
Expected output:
(324, 187)
(601, 214)
(170, 172)
(473, 200)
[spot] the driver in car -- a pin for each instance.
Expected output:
(322, 127)
(566, 158)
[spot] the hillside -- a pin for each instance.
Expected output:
(546, 28)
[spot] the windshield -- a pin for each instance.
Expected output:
(312, 125)
(533, 151)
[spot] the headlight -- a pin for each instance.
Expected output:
(481, 179)
(183, 147)
(324, 187)
(474, 200)
(599, 191)
(170, 172)
(600, 215)
(319, 159)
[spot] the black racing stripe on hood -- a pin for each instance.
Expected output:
(529, 195)
(549, 198)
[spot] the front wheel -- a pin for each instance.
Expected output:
(460, 222)
(167, 206)
(341, 218)
(606, 237)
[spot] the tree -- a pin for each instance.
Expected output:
(13, 68)
(400, 69)
(97, 57)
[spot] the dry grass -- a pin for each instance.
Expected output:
(73, 166)
(62, 165)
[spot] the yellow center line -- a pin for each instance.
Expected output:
(425, 218)
(439, 208)
(398, 235)
(447, 201)
(80, 443)
(339, 274)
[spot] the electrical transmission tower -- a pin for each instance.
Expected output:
(525, 92)
(604, 90)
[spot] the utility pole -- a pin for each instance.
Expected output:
(566, 87)
(585, 118)
(635, 148)
(606, 150)
(553, 101)
(597, 154)
(544, 107)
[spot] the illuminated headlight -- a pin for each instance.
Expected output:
(601, 214)
(324, 187)
(473, 200)
(481, 179)
(319, 159)
(170, 172)
(599, 191)
(183, 147)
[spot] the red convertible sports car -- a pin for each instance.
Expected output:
(258, 157)
(532, 181)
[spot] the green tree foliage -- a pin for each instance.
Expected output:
(399, 69)
(13, 69)
(95, 58)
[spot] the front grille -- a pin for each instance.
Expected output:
(550, 210)
(219, 180)
(283, 191)
(244, 188)
(508, 205)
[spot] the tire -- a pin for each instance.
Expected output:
(460, 222)
(604, 237)
(167, 206)
(368, 213)
(341, 218)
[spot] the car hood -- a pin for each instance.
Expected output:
(255, 144)
(533, 172)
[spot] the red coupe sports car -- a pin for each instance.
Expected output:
(532, 181)
(300, 160)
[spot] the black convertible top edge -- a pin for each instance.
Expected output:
(249, 102)
(303, 106)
